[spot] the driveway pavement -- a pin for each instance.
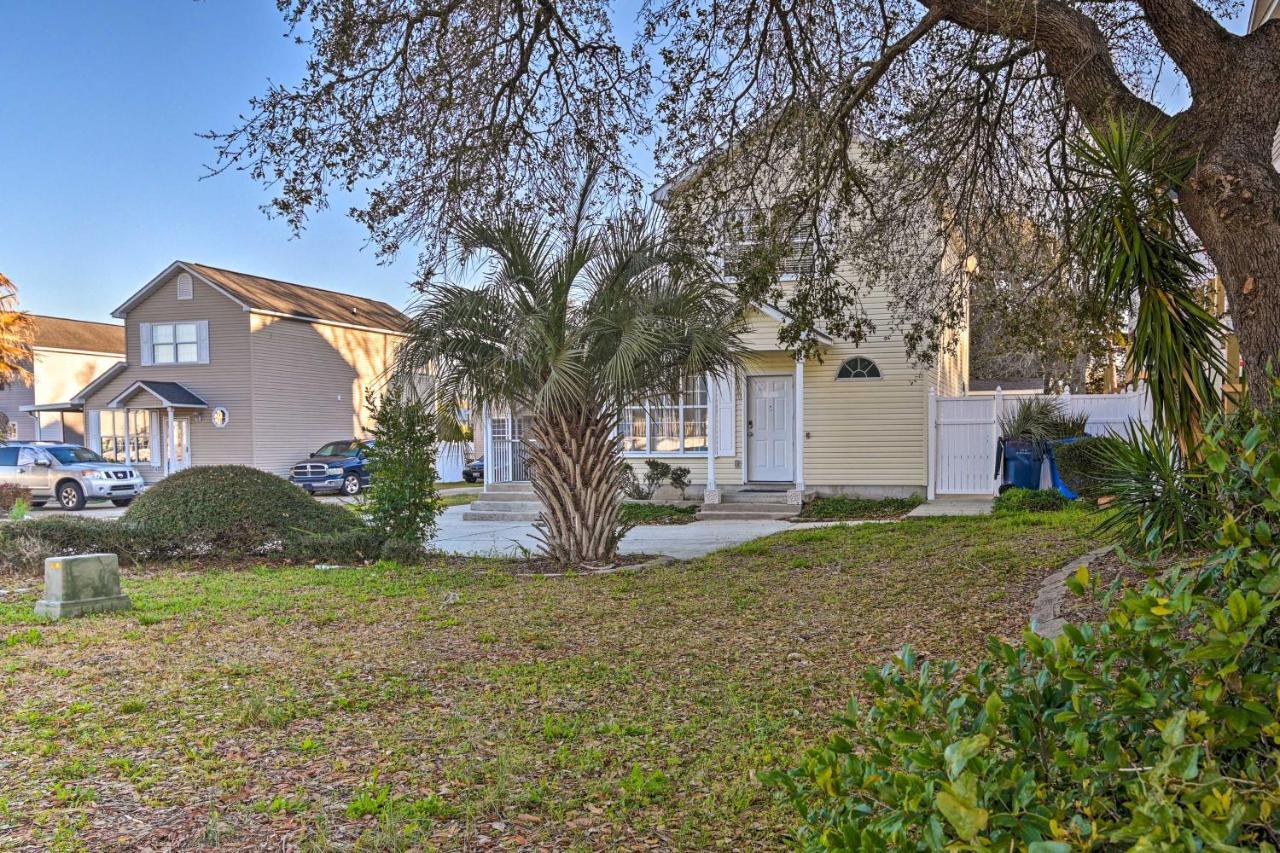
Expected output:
(502, 538)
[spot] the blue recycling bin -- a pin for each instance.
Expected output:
(1022, 463)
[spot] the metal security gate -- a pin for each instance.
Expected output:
(963, 433)
(507, 456)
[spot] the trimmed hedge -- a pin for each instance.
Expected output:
(211, 513)
(1029, 500)
(11, 493)
(233, 510)
(1080, 465)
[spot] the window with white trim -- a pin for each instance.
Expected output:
(858, 367)
(668, 425)
(747, 233)
(116, 432)
(175, 343)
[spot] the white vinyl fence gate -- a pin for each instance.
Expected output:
(963, 432)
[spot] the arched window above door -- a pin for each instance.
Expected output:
(858, 367)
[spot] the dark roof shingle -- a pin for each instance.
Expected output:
(302, 301)
(86, 335)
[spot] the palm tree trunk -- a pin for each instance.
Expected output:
(576, 472)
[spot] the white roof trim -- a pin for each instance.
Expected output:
(70, 351)
(68, 406)
(780, 316)
(110, 373)
(301, 319)
(141, 385)
(150, 286)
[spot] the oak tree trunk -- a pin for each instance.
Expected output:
(576, 472)
(1233, 204)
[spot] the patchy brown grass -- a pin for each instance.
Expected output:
(456, 706)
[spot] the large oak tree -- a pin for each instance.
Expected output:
(853, 113)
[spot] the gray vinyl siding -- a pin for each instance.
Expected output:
(13, 395)
(224, 381)
(308, 385)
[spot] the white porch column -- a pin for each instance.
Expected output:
(488, 448)
(796, 495)
(170, 447)
(711, 493)
(128, 450)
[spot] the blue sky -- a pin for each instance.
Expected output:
(100, 165)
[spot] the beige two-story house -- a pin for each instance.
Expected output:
(66, 355)
(226, 367)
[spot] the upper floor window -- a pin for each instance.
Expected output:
(858, 368)
(175, 343)
(750, 238)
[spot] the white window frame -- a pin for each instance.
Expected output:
(729, 248)
(175, 342)
(879, 372)
(682, 406)
(130, 435)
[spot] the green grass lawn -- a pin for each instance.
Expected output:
(856, 509)
(456, 706)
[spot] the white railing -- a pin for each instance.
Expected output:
(963, 433)
(510, 461)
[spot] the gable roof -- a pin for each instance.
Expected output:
(168, 393)
(81, 335)
(283, 299)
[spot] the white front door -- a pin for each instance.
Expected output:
(771, 426)
(181, 446)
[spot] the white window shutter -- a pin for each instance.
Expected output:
(93, 435)
(202, 341)
(144, 342)
(726, 416)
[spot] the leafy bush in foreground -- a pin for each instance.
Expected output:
(232, 510)
(1155, 730)
(1029, 500)
(402, 500)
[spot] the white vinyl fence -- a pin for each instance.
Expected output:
(963, 432)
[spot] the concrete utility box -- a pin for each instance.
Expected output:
(85, 583)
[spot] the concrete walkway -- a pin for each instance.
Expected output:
(506, 539)
(954, 505)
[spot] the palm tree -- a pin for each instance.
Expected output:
(569, 326)
(1138, 251)
(16, 332)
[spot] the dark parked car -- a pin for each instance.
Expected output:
(339, 467)
(473, 471)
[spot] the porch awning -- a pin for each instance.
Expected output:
(53, 407)
(167, 394)
(773, 312)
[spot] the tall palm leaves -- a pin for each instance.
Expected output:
(16, 331)
(569, 326)
(1137, 248)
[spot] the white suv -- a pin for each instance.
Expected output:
(67, 474)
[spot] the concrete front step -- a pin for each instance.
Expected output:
(507, 497)
(490, 515)
(746, 515)
(508, 487)
(486, 505)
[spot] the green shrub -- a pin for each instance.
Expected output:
(359, 545)
(402, 500)
(232, 510)
(24, 545)
(1041, 419)
(836, 508)
(407, 552)
(1160, 502)
(1018, 499)
(1154, 730)
(1080, 465)
(657, 473)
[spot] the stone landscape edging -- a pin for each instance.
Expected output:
(1045, 620)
